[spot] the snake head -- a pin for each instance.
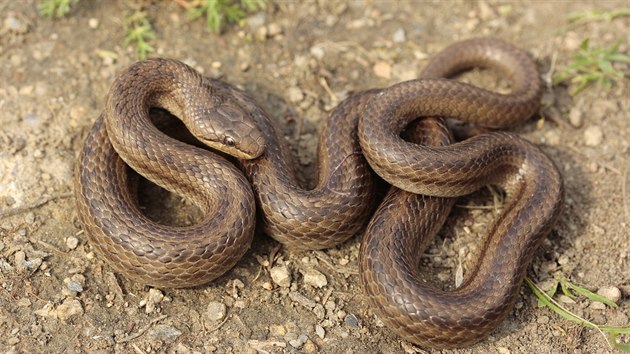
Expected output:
(228, 128)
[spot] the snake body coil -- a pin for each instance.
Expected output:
(340, 205)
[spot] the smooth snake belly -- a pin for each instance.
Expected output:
(341, 204)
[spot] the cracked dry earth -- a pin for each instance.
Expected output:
(298, 59)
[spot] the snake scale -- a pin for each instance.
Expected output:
(362, 133)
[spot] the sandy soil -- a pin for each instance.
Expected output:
(296, 59)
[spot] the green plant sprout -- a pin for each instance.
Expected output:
(219, 12)
(546, 299)
(593, 65)
(139, 32)
(581, 17)
(56, 8)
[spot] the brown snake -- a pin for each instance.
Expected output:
(340, 205)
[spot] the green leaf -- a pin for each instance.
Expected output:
(56, 8)
(548, 301)
(592, 65)
(220, 12)
(587, 293)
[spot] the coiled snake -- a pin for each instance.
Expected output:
(370, 123)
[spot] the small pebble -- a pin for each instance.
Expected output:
(314, 278)
(69, 309)
(319, 311)
(154, 297)
(295, 94)
(302, 300)
(612, 293)
(352, 321)
(261, 33)
(281, 276)
(596, 305)
(575, 117)
(29, 218)
(309, 347)
(257, 20)
(503, 350)
(24, 302)
(93, 23)
(277, 330)
(14, 24)
(399, 36)
(565, 299)
(164, 332)
(274, 29)
(299, 342)
(73, 285)
(317, 52)
(383, 69)
(216, 311)
(319, 330)
(593, 135)
(72, 242)
(20, 260)
(542, 319)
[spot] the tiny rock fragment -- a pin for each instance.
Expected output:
(281, 276)
(503, 350)
(24, 302)
(383, 69)
(319, 330)
(165, 333)
(261, 34)
(317, 52)
(216, 311)
(20, 260)
(274, 29)
(13, 24)
(93, 23)
(319, 311)
(72, 242)
(46, 311)
(257, 20)
(314, 278)
(295, 94)
(70, 309)
(565, 299)
(302, 300)
(593, 135)
(596, 305)
(73, 285)
(612, 293)
(154, 297)
(309, 347)
(352, 321)
(299, 342)
(277, 330)
(575, 117)
(399, 36)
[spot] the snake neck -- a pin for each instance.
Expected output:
(153, 83)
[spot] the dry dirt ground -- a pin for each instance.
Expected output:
(297, 59)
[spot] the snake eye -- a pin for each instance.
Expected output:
(229, 141)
